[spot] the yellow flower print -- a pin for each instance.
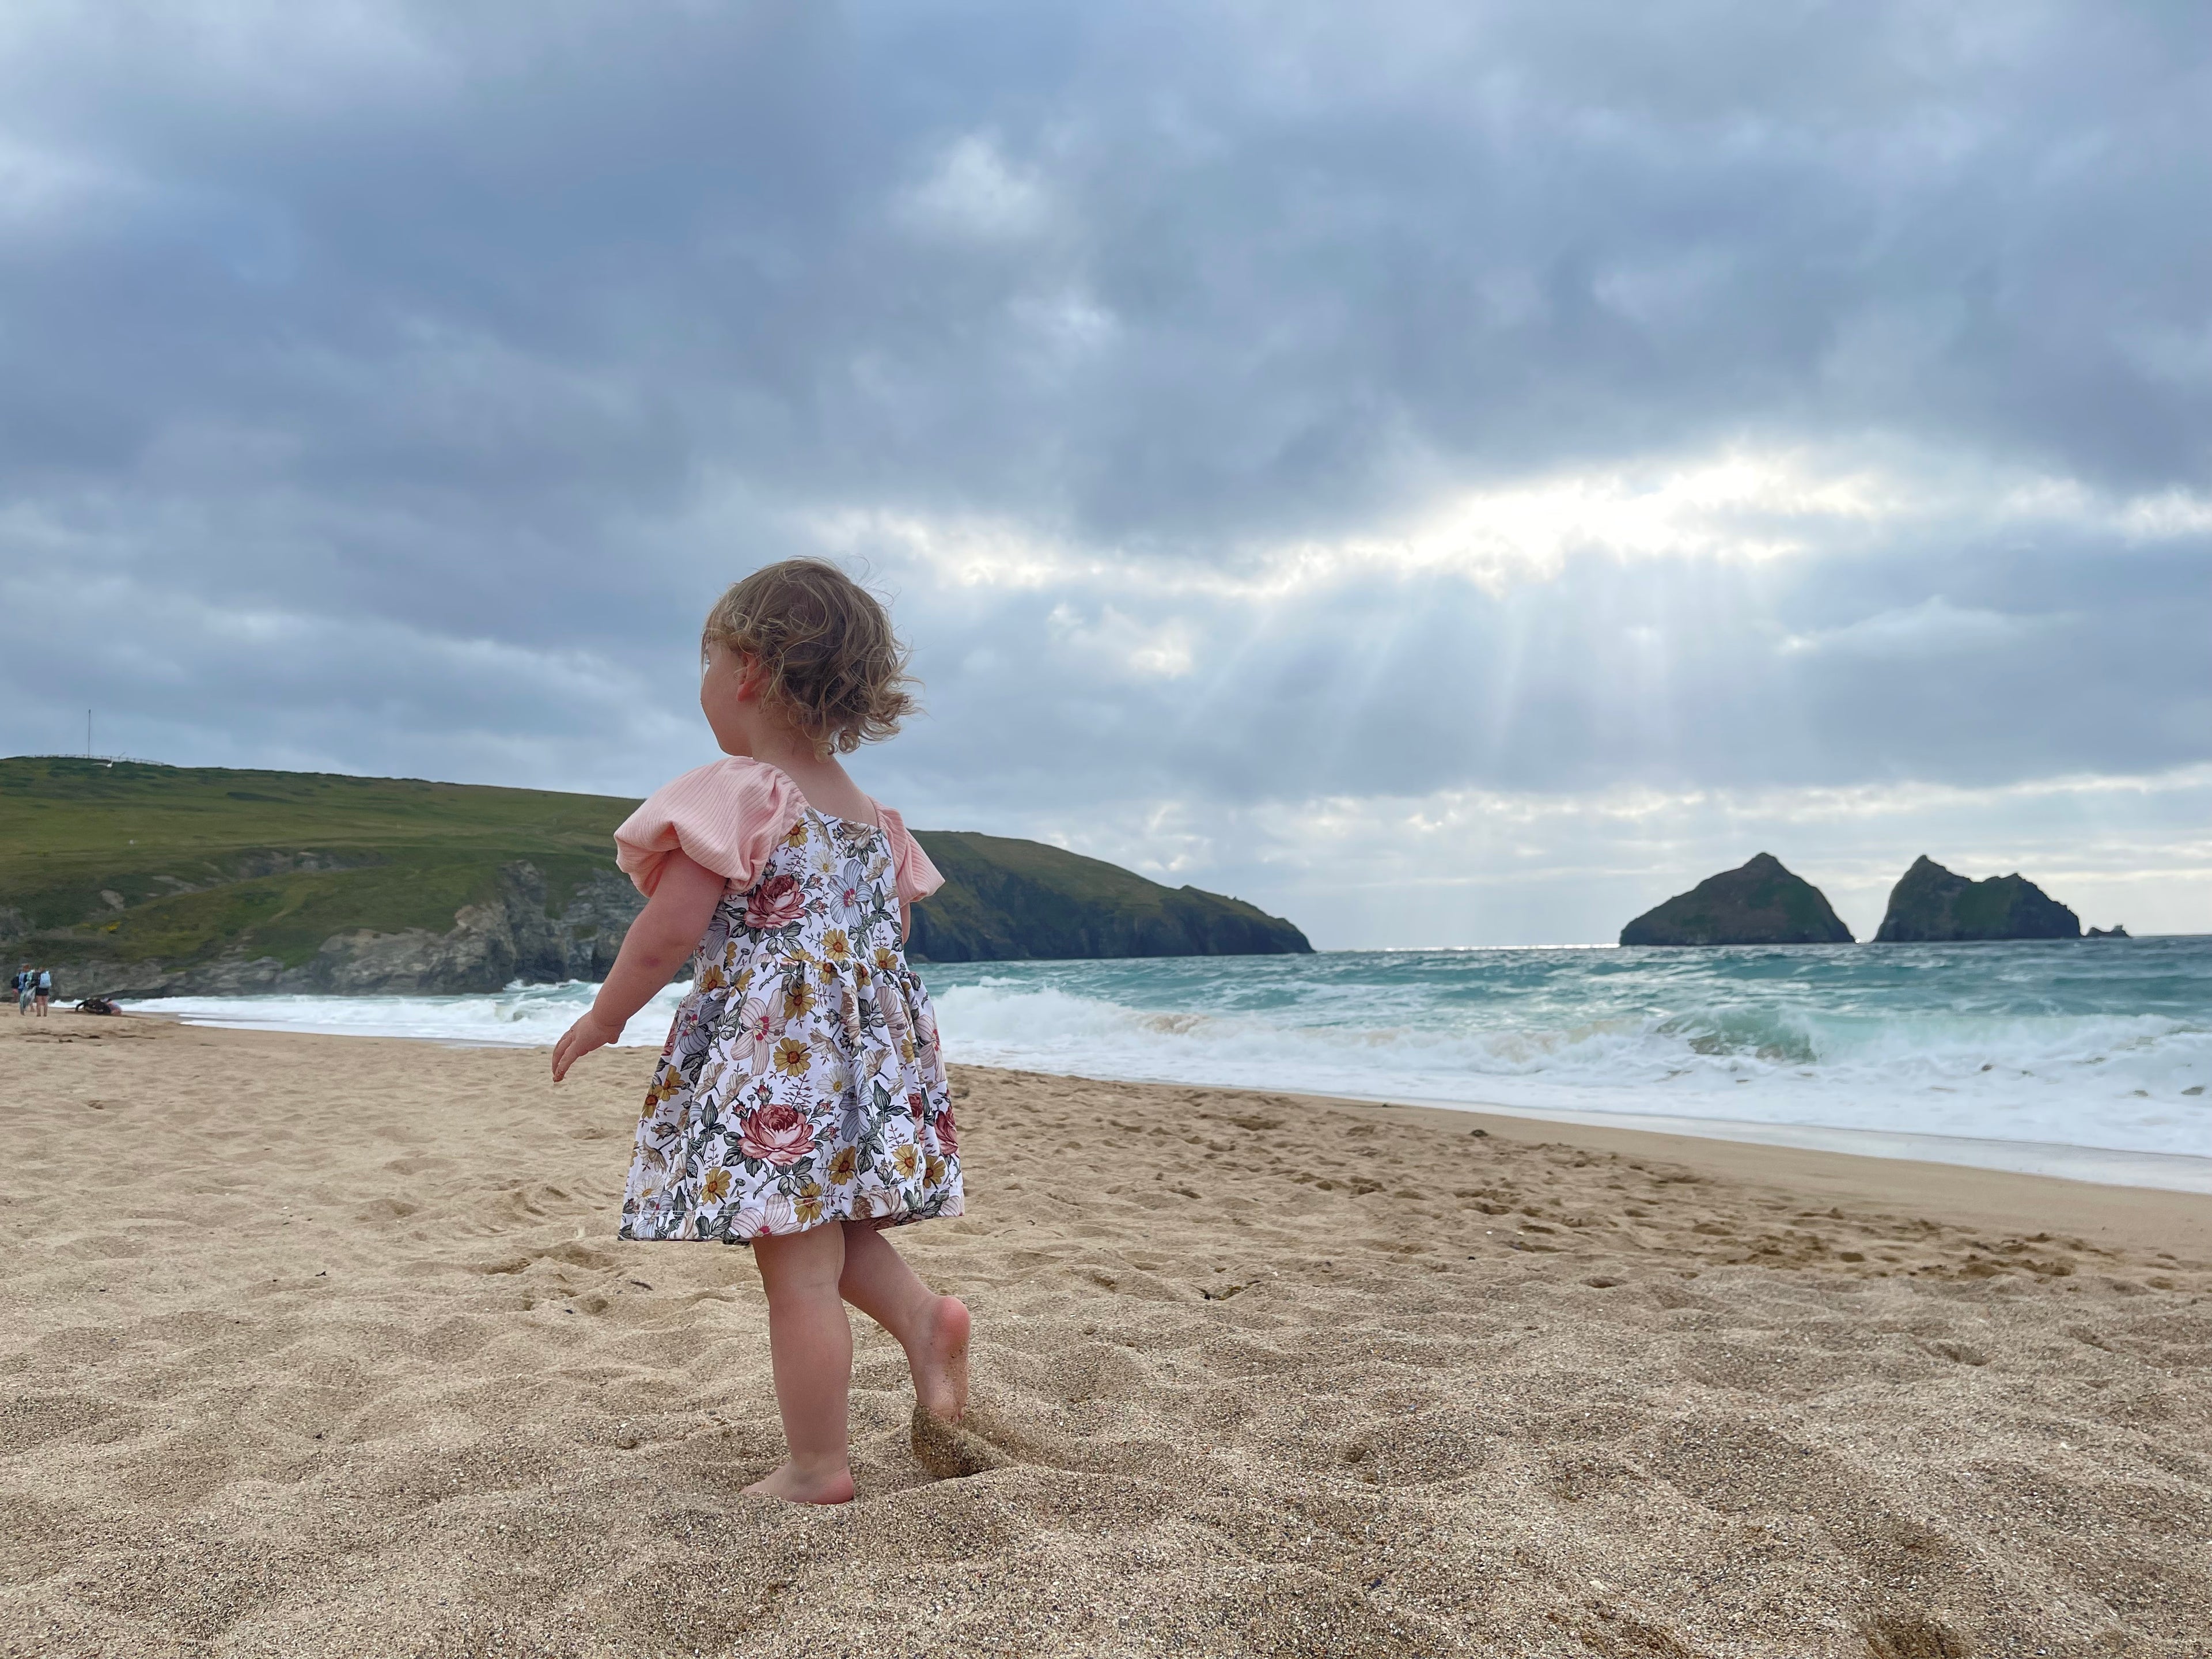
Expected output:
(716, 1187)
(845, 1165)
(836, 947)
(807, 1202)
(906, 1160)
(797, 997)
(796, 836)
(906, 1048)
(933, 1171)
(886, 959)
(710, 978)
(790, 1057)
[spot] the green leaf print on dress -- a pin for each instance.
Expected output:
(802, 1081)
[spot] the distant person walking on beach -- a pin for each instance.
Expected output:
(26, 986)
(45, 990)
(801, 1105)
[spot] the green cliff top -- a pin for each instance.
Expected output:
(127, 862)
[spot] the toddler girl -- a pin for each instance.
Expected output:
(800, 1104)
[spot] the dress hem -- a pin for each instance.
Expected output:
(902, 1218)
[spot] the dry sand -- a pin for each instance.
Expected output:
(324, 1346)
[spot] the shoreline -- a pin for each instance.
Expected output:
(2103, 1166)
(2112, 1166)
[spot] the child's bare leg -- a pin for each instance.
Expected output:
(811, 1343)
(932, 1329)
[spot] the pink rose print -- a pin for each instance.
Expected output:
(777, 1135)
(776, 902)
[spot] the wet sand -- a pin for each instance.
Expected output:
(324, 1346)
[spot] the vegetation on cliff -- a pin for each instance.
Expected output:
(1931, 903)
(1005, 899)
(133, 879)
(1759, 903)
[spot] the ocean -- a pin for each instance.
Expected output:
(2090, 1058)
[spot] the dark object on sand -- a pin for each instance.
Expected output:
(1932, 904)
(2113, 932)
(97, 1005)
(1761, 903)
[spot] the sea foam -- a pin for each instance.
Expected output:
(2080, 1044)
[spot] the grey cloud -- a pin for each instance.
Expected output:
(478, 348)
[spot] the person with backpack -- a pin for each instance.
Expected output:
(45, 990)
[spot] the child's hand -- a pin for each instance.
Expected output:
(592, 1031)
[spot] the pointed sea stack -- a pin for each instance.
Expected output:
(1761, 903)
(1931, 904)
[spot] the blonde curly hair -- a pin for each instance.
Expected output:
(829, 663)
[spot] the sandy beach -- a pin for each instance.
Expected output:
(320, 1346)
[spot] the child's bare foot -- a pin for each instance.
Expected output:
(939, 1360)
(796, 1486)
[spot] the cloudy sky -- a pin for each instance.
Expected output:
(1452, 473)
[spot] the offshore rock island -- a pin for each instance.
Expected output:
(1763, 902)
(1931, 904)
(134, 879)
(1760, 902)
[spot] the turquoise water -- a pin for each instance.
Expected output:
(2092, 1044)
(2089, 1044)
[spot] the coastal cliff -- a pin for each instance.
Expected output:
(1006, 900)
(1759, 903)
(135, 880)
(1932, 904)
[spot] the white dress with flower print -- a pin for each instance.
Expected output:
(801, 1083)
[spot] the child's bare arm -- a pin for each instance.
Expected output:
(666, 932)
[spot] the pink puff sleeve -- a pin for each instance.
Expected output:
(727, 815)
(917, 876)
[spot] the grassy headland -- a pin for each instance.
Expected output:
(131, 863)
(131, 872)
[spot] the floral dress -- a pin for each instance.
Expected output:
(802, 1082)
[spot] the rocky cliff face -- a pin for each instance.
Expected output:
(490, 945)
(1760, 902)
(1932, 904)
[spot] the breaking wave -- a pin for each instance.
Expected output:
(2090, 1045)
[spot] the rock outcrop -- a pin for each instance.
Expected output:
(1760, 902)
(490, 945)
(2113, 932)
(1932, 905)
